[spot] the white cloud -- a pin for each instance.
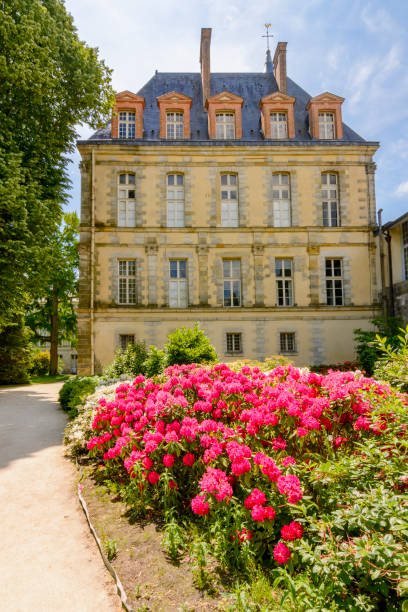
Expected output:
(402, 190)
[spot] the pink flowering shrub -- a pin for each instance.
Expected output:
(242, 450)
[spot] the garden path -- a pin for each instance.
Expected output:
(48, 559)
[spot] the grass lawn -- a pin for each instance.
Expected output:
(37, 380)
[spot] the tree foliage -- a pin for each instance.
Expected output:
(15, 352)
(50, 81)
(53, 312)
(187, 345)
(367, 349)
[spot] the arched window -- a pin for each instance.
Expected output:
(281, 200)
(175, 125)
(175, 200)
(126, 200)
(224, 126)
(127, 124)
(229, 200)
(330, 200)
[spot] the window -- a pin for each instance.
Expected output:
(330, 200)
(225, 125)
(126, 201)
(234, 343)
(125, 340)
(284, 286)
(334, 282)
(174, 125)
(127, 124)
(279, 125)
(287, 342)
(175, 200)
(281, 200)
(178, 284)
(232, 282)
(326, 126)
(405, 247)
(127, 282)
(229, 200)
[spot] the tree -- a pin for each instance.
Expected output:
(187, 345)
(50, 81)
(54, 310)
(15, 353)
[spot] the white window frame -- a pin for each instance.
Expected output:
(279, 125)
(334, 281)
(127, 124)
(233, 343)
(225, 125)
(126, 200)
(327, 125)
(178, 283)
(281, 199)
(174, 125)
(229, 200)
(287, 342)
(125, 340)
(232, 290)
(127, 285)
(284, 281)
(175, 199)
(330, 199)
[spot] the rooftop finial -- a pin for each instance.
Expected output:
(268, 62)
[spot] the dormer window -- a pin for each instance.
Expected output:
(127, 124)
(224, 116)
(174, 125)
(277, 116)
(224, 126)
(325, 116)
(279, 125)
(127, 116)
(326, 126)
(174, 108)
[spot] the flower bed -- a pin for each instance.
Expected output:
(270, 466)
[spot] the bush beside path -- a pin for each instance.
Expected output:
(49, 559)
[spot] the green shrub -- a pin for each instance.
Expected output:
(187, 345)
(15, 353)
(368, 352)
(393, 365)
(40, 364)
(270, 363)
(155, 362)
(130, 361)
(74, 392)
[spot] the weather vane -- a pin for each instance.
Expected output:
(267, 35)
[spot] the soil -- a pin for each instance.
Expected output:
(153, 583)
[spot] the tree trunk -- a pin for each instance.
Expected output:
(54, 335)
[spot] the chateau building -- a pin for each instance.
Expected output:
(236, 200)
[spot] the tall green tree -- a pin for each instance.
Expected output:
(50, 81)
(52, 315)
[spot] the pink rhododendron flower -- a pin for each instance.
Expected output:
(153, 477)
(168, 461)
(292, 531)
(281, 553)
(255, 498)
(199, 505)
(189, 459)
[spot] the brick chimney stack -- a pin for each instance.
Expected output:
(279, 66)
(205, 62)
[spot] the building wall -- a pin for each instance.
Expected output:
(323, 333)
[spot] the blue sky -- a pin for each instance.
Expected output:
(354, 48)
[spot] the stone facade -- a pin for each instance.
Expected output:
(322, 333)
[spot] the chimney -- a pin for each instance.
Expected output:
(279, 66)
(205, 62)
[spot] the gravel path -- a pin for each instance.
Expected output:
(48, 559)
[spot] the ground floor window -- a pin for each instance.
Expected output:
(287, 342)
(234, 342)
(125, 340)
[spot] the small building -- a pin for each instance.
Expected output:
(395, 263)
(237, 200)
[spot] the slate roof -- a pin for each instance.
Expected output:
(250, 86)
